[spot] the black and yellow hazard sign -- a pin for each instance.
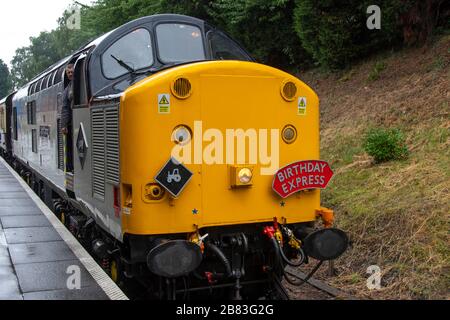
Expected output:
(164, 103)
(302, 102)
(174, 177)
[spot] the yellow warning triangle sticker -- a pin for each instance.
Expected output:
(164, 100)
(302, 103)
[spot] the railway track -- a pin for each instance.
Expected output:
(313, 289)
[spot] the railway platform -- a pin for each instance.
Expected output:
(39, 257)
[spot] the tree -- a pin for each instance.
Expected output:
(420, 19)
(335, 32)
(265, 28)
(5, 80)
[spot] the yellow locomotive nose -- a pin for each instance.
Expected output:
(230, 126)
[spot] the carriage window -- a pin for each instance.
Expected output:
(2, 119)
(223, 48)
(15, 123)
(179, 43)
(38, 85)
(58, 76)
(52, 76)
(45, 84)
(34, 140)
(31, 112)
(133, 50)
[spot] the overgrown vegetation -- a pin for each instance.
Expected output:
(374, 74)
(289, 34)
(335, 32)
(5, 80)
(396, 212)
(385, 144)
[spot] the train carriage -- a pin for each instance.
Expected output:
(179, 136)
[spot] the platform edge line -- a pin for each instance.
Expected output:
(108, 286)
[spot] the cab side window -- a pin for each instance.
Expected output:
(223, 48)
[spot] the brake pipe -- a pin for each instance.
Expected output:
(219, 253)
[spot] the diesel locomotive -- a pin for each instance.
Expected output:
(195, 168)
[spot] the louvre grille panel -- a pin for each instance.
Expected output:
(98, 152)
(105, 148)
(112, 145)
(60, 145)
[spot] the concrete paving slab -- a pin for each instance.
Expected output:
(4, 256)
(19, 211)
(24, 221)
(14, 203)
(12, 188)
(9, 288)
(31, 235)
(47, 276)
(40, 252)
(89, 293)
(14, 195)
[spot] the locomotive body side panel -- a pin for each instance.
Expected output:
(37, 132)
(3, 126)
(96, 163)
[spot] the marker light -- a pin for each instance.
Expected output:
(288, 90)
(153, 192)
(181, 135)
(181, 88)
(289, 134)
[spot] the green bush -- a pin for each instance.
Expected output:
(385, 144)
(379, 67)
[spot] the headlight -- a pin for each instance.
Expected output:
(245, 175)
(241, 176)
(181, 135)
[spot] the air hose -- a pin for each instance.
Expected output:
(289, 262)
(280, 254)
(219, 253)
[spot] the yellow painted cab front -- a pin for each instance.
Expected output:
(232, 125)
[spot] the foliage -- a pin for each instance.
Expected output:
(379, 67)
(265, 28)
(5, 80)
(335, 32)
(385, 144)
(286, 34)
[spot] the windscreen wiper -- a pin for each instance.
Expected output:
(123, 64)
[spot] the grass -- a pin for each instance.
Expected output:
(396, 213)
